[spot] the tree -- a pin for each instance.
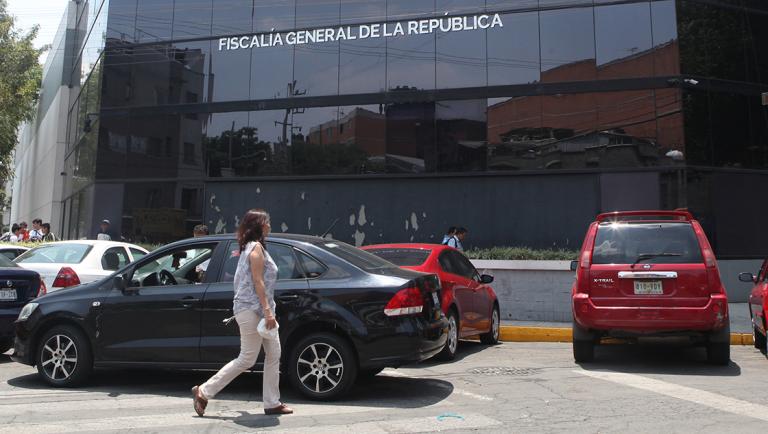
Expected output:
(20, 78)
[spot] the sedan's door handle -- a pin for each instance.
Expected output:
(188, 301)
(288, 297)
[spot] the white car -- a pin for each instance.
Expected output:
(68, 263)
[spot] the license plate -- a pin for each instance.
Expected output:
(7, 294)
(648, 287)
(435, 300)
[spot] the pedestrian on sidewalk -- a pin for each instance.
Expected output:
(12, 236)
(254, 302)
(48, 236)
(457, 240)
(104, 233)
(23, 232)
(448, 235)
(36, 234)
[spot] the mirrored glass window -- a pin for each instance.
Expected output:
(623, 40)
(192, 18)
(513, 51)
(153, 20)
(567, 45)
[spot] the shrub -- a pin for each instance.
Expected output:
(522, 254)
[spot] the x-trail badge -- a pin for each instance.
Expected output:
(647, 266)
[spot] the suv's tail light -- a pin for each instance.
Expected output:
(41, 290)
(66, 277)
(585, 261)
(710, 262)
(407, 301)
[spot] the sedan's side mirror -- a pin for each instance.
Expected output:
(485, 278)
(574, 265)
(119, 283)
(747, 277)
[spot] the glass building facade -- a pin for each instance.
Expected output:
(520, 119)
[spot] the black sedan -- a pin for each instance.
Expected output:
(337, 306)
(17, 288)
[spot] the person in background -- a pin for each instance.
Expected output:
(36, 234)
(200, 231)
(48, 236)
(104, 234)
(448, 235)
(23, 233)
(458, 239)
(12, 236)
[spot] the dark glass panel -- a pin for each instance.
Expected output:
(154, 147)
(513, 51)
(669, 120)
(189, 72)
(697, 121)
(362, 11)
(121, 24)
(192, 18)
(153, 20)
(273, 14)
(271, 150)
(271, 71)
(226, 136)
(410, 136)
(514, 132)
(506, 5)
(623, 41)
(362, 66)
(757, 51)
(232, 17)
(461, 56)
(713, 43)
(666, 47)
(567, 45)
(406, 9)
(411, 62)
(461, 132)
(316, 146)
(362, 141)
(570, 120)
(230, 75)
(459, 7)
(313, 13)
(561, 3)
(148, 82)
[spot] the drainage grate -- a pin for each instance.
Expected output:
(504, 370)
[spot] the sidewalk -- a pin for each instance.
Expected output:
(543, 331)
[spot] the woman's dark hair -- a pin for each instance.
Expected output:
(47, 226)
(252, 228)
(15, 228)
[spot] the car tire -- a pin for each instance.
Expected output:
(583, 344)
(492, 337)
(64, 357)
(759, 339)
(719, 347)
(452, 343)
(322, 366)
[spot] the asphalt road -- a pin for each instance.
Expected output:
(513, 387)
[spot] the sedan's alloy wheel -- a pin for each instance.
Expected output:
(320, 367)
(453, 334)
(495, 324)
(59, 358)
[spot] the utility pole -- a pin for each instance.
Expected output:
(292, 92)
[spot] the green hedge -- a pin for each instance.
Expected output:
(522, 254)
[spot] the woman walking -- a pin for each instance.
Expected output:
(254, 299)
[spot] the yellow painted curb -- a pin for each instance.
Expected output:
(563, 334)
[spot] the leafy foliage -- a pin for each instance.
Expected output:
(522, 254)
(20, 78)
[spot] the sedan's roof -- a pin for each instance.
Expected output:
(280, 236)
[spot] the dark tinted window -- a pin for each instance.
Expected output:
(355, 256)
(462, 265)
(5, 258)
(624, 243)
(312, 267)
(402, 257)
(287, 264)
(114, 258)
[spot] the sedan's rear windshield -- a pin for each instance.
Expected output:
(65, 253)
(402, 257)
(647, 243)
(355, 256)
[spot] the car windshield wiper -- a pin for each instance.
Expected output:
(643, 256)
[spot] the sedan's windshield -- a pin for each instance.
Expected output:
(64, 253)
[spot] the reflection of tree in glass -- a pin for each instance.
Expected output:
(241, 153)
(333, 158)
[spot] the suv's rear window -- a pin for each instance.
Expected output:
(402, 257)
(355, 256)
(661, 243)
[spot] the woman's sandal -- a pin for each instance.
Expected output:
(198, 401)
(280, 409)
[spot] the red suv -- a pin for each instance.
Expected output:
(648, 273)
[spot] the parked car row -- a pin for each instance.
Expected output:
(163, 309)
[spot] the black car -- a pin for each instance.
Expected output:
(17, 288)
(334, 303)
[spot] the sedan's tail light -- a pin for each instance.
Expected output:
(66, 277)
(42, 290)
(407, 301)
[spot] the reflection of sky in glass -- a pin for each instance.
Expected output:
(664, 21)
(622, 31)
(192, 18)
(153, 20)
(313, 13)
(567, 36)
(232, 16)
(513, 51)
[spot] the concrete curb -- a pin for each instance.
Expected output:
(563, 334)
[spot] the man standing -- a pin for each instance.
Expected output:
(103, 234)
(36, 234)
(48, 236)
(458, 238)
(448, 235)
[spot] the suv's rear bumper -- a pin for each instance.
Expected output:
(650, 320)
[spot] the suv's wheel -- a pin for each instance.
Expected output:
(64, 357)
(452, 343)
(583, 344)
(719, 346)
(322, 366)
(492, 337)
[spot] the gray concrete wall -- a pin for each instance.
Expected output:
(540, 290)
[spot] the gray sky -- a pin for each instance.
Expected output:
(46, 13)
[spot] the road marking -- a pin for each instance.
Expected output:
(468, 421)
(442, 386)
(697, 396)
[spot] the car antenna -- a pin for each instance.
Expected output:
(330, 227)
